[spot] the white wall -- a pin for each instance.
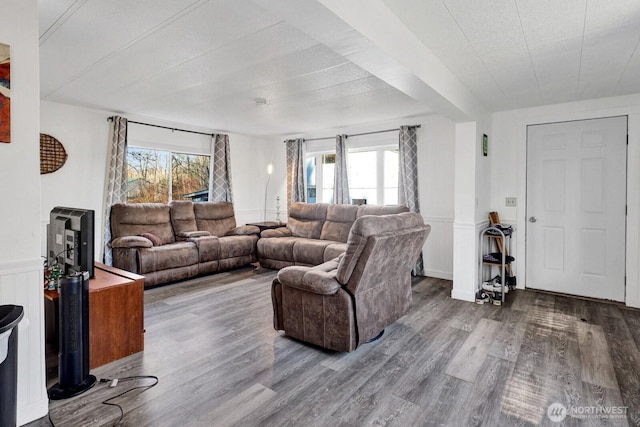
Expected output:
(79, 183)
(85, 135)
(436, 143)
(272, 150)
(508, 174)
(21, 280)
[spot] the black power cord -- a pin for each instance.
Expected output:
(117, 380)
(136, 377)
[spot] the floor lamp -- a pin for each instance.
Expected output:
(269, 172)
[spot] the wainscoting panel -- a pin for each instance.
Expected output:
(21, 283)
(438, 250)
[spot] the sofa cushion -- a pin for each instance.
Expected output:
(126, 242)
(208, 248)
(155, 240)
(164, 257)
(237, 246)
(309, 251)
(381, 210)
(375, 226)
(338, 222)
(276, 232)
(183, 218)
(244, 230)
(277, 248)
(306, 219)
(334, 250)
(133, 219)
(215, 217)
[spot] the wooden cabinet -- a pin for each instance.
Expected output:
(116, 315)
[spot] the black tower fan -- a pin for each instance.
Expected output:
(73, 357)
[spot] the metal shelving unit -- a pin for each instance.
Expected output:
(493, 236)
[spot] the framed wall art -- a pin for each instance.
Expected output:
(485, 144)
(5, 93)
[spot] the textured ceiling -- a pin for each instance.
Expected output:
(523, 53)
(327, 64)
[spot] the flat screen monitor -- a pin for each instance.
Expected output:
(70, 240)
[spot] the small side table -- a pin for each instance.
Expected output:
(268, 225)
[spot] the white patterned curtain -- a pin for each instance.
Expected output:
(115, 190)
(220, 170)
(340, 176)
(408, 178)
(295, 171)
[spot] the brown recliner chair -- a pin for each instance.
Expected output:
(349, 300)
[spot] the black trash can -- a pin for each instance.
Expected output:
(10, 316)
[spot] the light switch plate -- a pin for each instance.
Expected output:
(510, 201)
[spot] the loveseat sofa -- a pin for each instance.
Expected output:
(315, 233)
(179, 240)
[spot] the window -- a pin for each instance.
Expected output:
(320, 182)
(160, 176)
(373, 176)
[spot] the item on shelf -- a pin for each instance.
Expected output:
(52, 276)
(507, 230)
(494, 287)
(496, 258)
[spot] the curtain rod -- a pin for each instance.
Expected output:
(110, 119)
(359, 134)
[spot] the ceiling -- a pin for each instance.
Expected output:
(323, 64)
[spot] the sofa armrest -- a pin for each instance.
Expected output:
(310, 279)
(276, 232)
(190, 234)
(131, 242)
(243, 230)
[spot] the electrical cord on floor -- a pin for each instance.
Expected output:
(114, 382)
(49, 414)
(136, 377)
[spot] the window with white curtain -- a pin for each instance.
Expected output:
(373, 175)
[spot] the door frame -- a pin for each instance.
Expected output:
(510, 136)
(626, 190)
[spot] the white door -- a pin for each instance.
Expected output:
(576, 207)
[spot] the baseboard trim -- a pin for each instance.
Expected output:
(32, 412)
(632, 303)
(464, 296)
(446, 275)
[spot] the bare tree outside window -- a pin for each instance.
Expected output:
(189, 174)
(151, 178)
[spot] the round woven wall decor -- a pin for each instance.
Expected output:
(52, 154)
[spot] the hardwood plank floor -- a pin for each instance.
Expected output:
(211, 343)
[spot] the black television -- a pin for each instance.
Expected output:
(70, 240)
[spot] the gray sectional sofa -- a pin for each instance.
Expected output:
(175, 241)
(315, 233)
(347, 301)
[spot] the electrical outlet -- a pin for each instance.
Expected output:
(510, 201)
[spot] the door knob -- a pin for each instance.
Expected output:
(532, 219)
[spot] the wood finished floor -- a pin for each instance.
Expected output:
(447, 363)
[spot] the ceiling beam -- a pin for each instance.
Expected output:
(414, 62)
